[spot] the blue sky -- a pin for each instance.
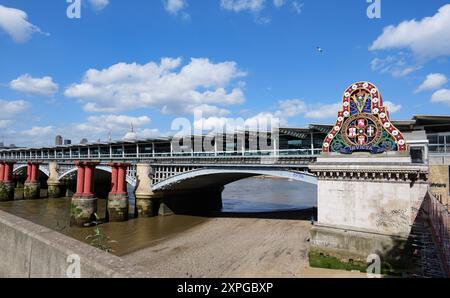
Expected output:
(153, 61)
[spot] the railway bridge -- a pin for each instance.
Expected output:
(158, 180)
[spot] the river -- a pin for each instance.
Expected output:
(242, 198)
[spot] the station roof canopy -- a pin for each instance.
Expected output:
(433, 123)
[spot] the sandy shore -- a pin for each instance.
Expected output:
(235, 247)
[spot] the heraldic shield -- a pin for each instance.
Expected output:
(363, 124)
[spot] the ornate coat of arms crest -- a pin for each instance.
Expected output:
(363, 124)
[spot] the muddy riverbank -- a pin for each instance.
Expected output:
(262, 231)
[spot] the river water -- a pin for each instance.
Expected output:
(243, 198)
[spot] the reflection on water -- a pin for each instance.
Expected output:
(249, 195)
(127, 236)
(268, 194)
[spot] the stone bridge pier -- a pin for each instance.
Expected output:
(118, 204)
(6, 181)
(32, 188)
(84, 203)
(54, 188)
(146, 199)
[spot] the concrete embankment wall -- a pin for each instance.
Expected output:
(30, 250)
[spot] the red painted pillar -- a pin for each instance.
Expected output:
(28, 172)
(121, 179)
(2, 171)
(80, 179)
(34, 172)
(93, 179)
(8, 172)
(87, 181)
(114, 177)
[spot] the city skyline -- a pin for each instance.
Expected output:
(98, 74)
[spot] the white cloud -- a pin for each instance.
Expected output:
(148, 133)
(5, 123)
(116, 126)
(392, 107)
(168, 86)
(264, 121)
(256, 7)
(432, 82)
(290, 108)
(36, 86)
(15, 23)
(428, 38)
(297, 107)
(114, 123)
(394, 65)
(253, 6)
(323, 111)
(174, 6)
(280, 116)
(38, 131)
(12, 108)
(99, 4)
(207, 110)
(441, 96)
(297, 6)
(329, 111)
(13, 115)
(278, 3)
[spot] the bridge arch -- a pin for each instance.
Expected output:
(43, 170)
(208, 178)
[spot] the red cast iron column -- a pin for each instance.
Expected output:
(34, 172)
(114, 176)
(121, 179)
(2, 171)
(28, 172)
(8, 172)
(87, 192)
(80, 179)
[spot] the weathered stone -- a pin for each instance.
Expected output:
(366, 205)
(370, 194)
(145, 197)
(82, 211)
(349, 250)
(31, 191)
(6, 191)
(54, 191)
(118, 207)
(164, 210)
(146, 207)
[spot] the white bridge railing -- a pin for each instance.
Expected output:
(45, 155)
